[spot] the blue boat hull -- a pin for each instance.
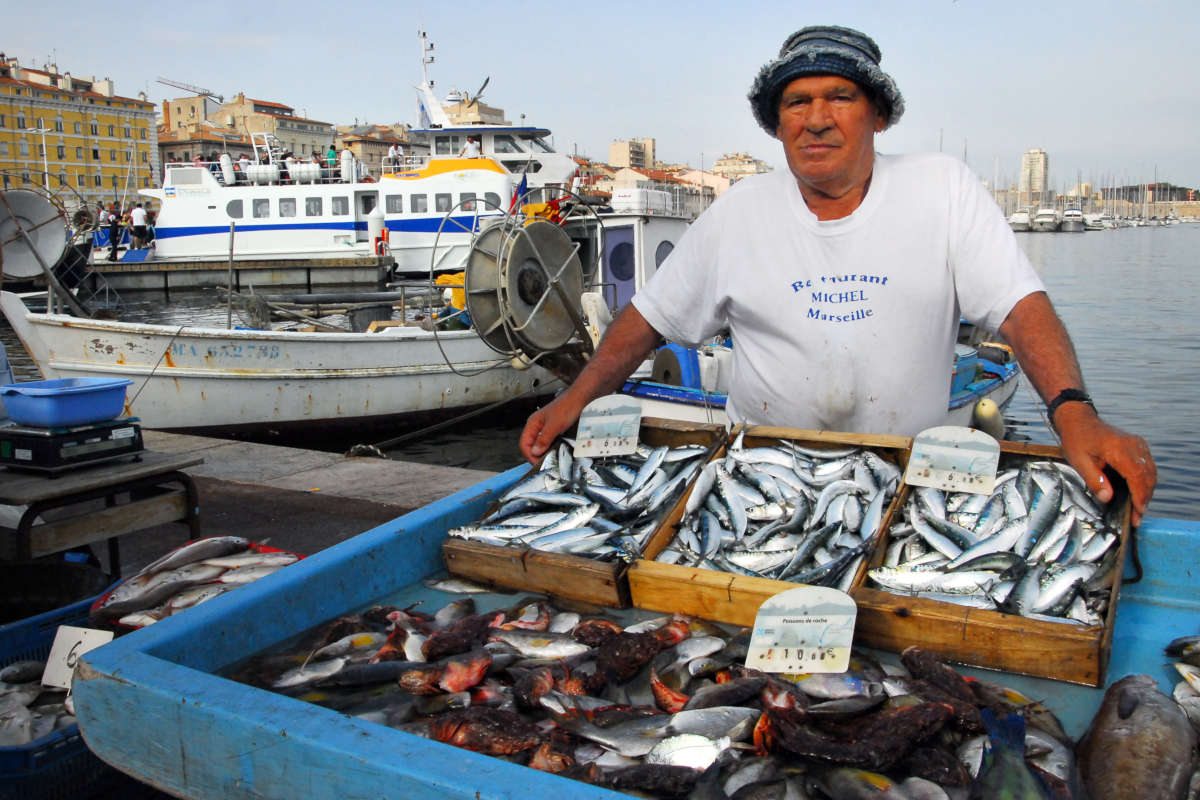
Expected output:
(150, 705)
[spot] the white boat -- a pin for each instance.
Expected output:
(201, 378)
(1046, 220)
(282, 208)
(1072, 221)
(1020, 220)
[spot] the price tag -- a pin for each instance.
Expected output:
(609, 426)
(954, 459)
(806, 629)
(69, 644)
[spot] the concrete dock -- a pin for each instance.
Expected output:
(293, 499)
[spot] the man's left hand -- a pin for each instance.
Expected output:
(1090, 445)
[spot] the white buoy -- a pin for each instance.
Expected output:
(987, 418)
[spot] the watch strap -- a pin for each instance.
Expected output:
(1067, 396)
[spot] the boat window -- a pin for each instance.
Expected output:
(505, 144)
(179, 175)
(537, 145)
(467, 199)
(340, 206)
(287, 206)
(441, 201)
(620, 262)
(522, 165)
(662, 251)
(234, 209)
(312, 206)
(393, 203)
(261, 208)
(446, 145)
(493, 201)
(418, 203)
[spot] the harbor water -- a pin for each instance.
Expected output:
(1125, 295)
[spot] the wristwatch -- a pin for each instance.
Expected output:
(1067, 396)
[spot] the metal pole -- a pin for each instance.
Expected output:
(45, 163)
(229, 296)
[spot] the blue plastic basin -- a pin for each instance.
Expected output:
(63, 402)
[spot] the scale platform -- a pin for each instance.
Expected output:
(54, 450)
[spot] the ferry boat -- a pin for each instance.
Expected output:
(424, 209)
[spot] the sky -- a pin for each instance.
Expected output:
(1109, 89)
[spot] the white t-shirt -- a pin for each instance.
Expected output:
(137, 216)
(847, 324)
(470, 149)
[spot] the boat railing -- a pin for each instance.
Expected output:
(259, 173)
(404, 163)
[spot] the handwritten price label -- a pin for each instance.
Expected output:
(806, 629)
(70, 643)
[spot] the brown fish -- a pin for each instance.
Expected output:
(1139, 745)
(493, 731)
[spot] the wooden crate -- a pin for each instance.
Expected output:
(983, 638)
(724, 596)
(575, 577)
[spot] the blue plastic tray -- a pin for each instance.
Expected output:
(64, 402)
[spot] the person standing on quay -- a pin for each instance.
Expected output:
(862, 266)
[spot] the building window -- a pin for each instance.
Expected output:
(339, 206)
(393, 203)
(41, 151)
(143, 133)
(95, 129)
(3, 148)
(234, 209)
(127, 135)
(287, 206)
(418, 204)
(20, 123)
(62, 179)
(2, 124)
(95, 154)
(62, 152)
(81, 179)
(128, 156)
(116, 182)
(25, 178)
(143, 157)
(112, 155)
(312, 206)
(58, 125)
(41, 123)
(79, 154)
(24, 146)
(78, 128)
(111, 130)
(145, 183)
(97, 181)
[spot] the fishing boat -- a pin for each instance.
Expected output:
(1020, 220)
(157, 704)
(281, 208)
(216, 379)
(1046, 220)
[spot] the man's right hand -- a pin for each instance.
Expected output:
(545, 425)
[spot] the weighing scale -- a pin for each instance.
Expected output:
(53, 450)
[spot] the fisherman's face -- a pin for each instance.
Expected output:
(827, 125)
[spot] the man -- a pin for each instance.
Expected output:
(843, 279)
(470, 149)
(137, 221)
(114, 231)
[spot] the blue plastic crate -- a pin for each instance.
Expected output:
(64, 402)
(59, 765)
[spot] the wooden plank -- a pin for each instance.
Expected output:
(94, 526)
(984, 638)
(26, 488)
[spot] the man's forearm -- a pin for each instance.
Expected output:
(625, 345)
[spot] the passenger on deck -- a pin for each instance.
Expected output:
(243, 163)
(114, 231)
(137, 221)
(470, 149)
(330, 162)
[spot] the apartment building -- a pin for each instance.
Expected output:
(74, 137)
(1035, 169)
(297, 134)
(736, 166)
(632, 153)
